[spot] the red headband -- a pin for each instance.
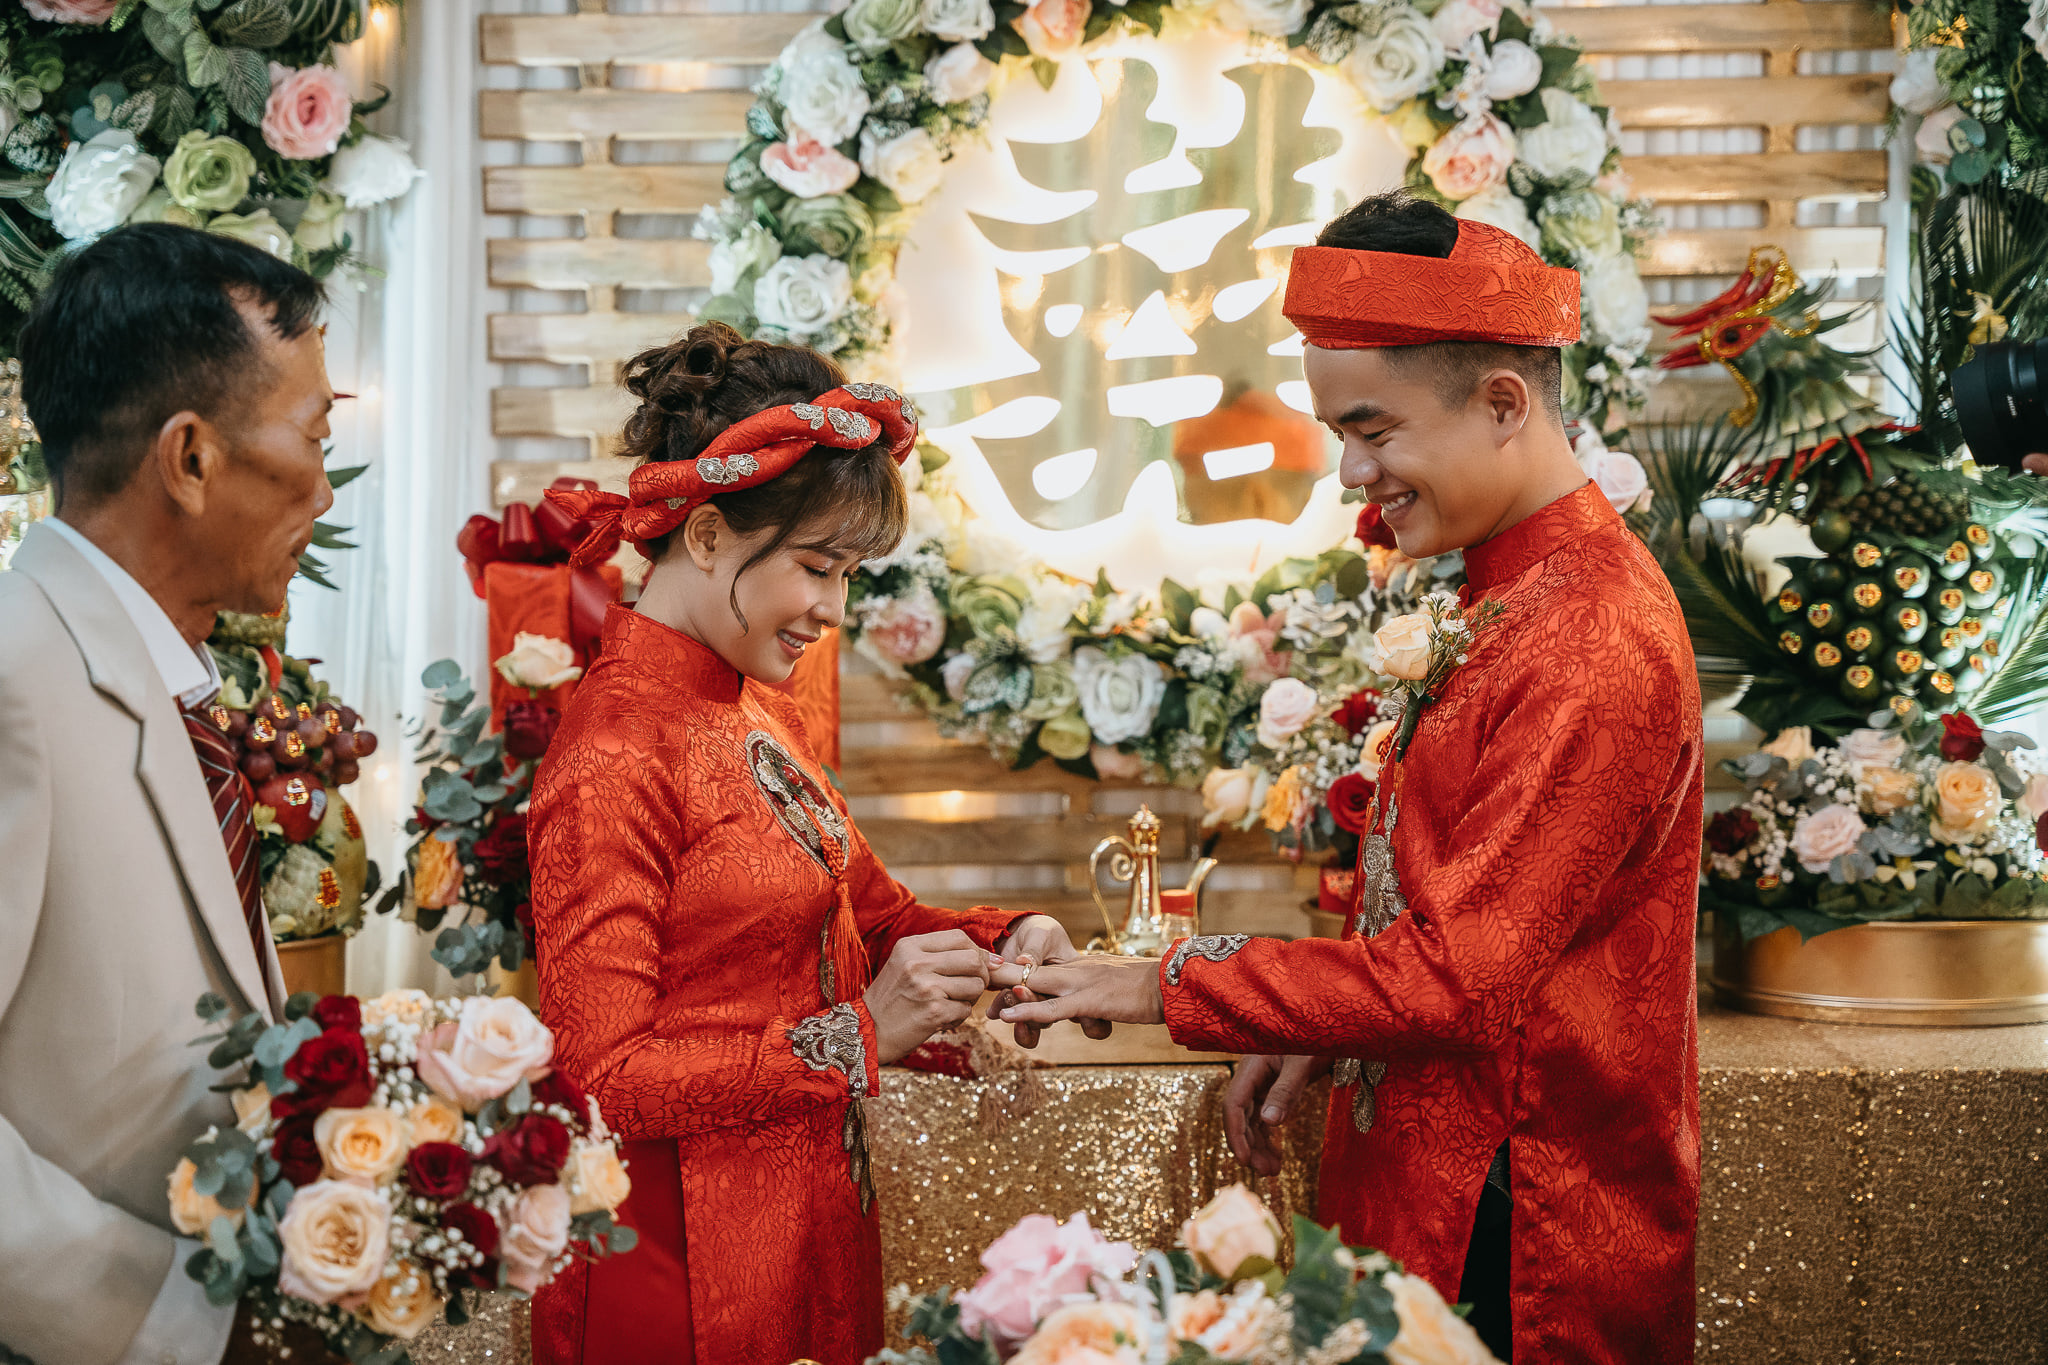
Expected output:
(662, 493)
(1492, 287)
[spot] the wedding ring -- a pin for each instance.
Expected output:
(1029, 967)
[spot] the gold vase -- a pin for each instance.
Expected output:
(1918, 973)
(319, 965)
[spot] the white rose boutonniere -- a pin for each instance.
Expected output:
(1423, 649)
(99, 183)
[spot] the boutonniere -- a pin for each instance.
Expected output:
(1420, 650)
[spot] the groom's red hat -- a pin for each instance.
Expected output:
(1491, 287)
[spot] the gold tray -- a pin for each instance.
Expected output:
(1917, 973)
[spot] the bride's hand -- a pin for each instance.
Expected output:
(1042, 940)
(928, 985)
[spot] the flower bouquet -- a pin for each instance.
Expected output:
(469, 849)
(1914, 818)
(391, 1155)
(1061, 1294)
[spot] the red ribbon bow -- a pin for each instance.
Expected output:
(545, 533)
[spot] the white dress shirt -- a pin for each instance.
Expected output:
(182, 1327)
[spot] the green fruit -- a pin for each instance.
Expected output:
(2020, 545)
(1865, 596)
(1792, 640)
(1832, 530)
(1955, 561)
(1976, 670)
(1907, 574)
(1824, 617)
(1865, 555)
(1789, 603)
(1983, 544)
(1974, 631)
(1827, 578)
(1941, 684)
(1946, 606)
(1983, 585)
(1945, 649)
(1860, 639)
(1827, 658)
(1902, 664)
(1906, 624)
(1859, 683)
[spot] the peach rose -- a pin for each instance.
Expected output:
(1114, 765)
(1431, 1334)
(406, 1006)
(1871, 748)
(1403, 644)
(1825, 835)
(1794, 744)
(1228, 1329)
(1226, 795)
(1471, 157)
(1378, 749)
(92, 12)
(402, 1303)
(1087, 1332)
(192, 1213)
(1230, 1229)
(535, 1234)
(435, 1120)
(1286, 800)
(1053, 28)
(436, 874)
(496, 1044)
(309, 110)
(808, 168)
(252, 1108)
(1885, 790)
(364, 1145)
(1967, 803)
(597, 1178)
(538, 662)
(335, 1237)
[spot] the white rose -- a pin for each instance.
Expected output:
(1404, 645)
(99, 183)
(1459, 20)
(1621, 480)
(985, 549)
(1932, 139)
(820, 88)
(1501, 207)
(1616, 303)
(1583, 224)
(1286, 706)
(959, 73)
(1825, 835)
(874, 24)
(2036, 26)
(372, 171)
(495, 1044)
(1917, 89)
(755, 249)
(320, 227)
(1119, 696)
(259, 229)
(803, 294)
(955, 672)
(1209, 623)
(1400, 61)
(1871, 749)
(538, 662)
(1572, 139)
(1042, 628)
(1513, 69)
(334, 1235)
(1276, 17)
(958, 21)
(909, 164)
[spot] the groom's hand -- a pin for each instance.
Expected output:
(1122, 990)
(1042, 940)
(1261, 1096)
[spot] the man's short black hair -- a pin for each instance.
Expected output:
(1400, 222)
(137, 327)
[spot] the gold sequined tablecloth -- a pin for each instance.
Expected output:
(1868, 1194)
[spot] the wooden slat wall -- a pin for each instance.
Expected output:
(894, 761)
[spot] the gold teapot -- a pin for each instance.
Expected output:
(1154, 918)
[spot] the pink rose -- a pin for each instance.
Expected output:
(308, 112)
(1460, 19)
(1252, 637)
(1825, 835)
(71, 11)
(1471, 158)
(907, 630)
(497, 1044)
(1053, 28)
(1286, 707)
(807, 168)
(536, 1232)
(1931, 141)
(1621, 480)
(1032, 1269)
(1114, 765)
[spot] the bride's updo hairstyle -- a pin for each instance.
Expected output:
(838, 502)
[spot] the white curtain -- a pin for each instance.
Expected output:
(411, 348)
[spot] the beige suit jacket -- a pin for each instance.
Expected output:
(117, 911)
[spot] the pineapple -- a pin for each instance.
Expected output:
(1904, 506)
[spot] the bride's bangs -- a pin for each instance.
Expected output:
(866, 512)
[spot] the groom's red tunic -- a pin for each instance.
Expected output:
(1539, 988)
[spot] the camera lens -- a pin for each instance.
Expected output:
(1998, 401)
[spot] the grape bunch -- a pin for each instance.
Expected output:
(1885, 615)
(317, 740)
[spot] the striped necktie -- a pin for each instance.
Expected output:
(234, 804)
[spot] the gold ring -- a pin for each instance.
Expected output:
(1029, 967)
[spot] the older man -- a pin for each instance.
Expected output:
(179, 385)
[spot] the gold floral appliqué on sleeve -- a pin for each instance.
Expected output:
(1380, 904)
(832, 1042)
(1208, 947)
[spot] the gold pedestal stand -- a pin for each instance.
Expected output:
(319, 965)
(1917, 973)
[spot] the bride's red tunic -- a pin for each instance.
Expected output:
(1538, 985)
(703, 972)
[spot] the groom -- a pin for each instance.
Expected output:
(1510, 1015)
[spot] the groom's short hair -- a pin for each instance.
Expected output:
(1405, 225)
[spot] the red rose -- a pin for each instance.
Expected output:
(1350, 802)
(438, 1170)
(2041, 832)
(531, 1151)
(479, 1230)
(557, 1088)
(343, 1012)
(1731, 831)
(296, 1152)
(530, 728)
(1962, 739)
(1372, 527)
(501, 854)
(331, 1071)
(1359, 710)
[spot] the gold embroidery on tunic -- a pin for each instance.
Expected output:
(1380, 904)
(832, 1042)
